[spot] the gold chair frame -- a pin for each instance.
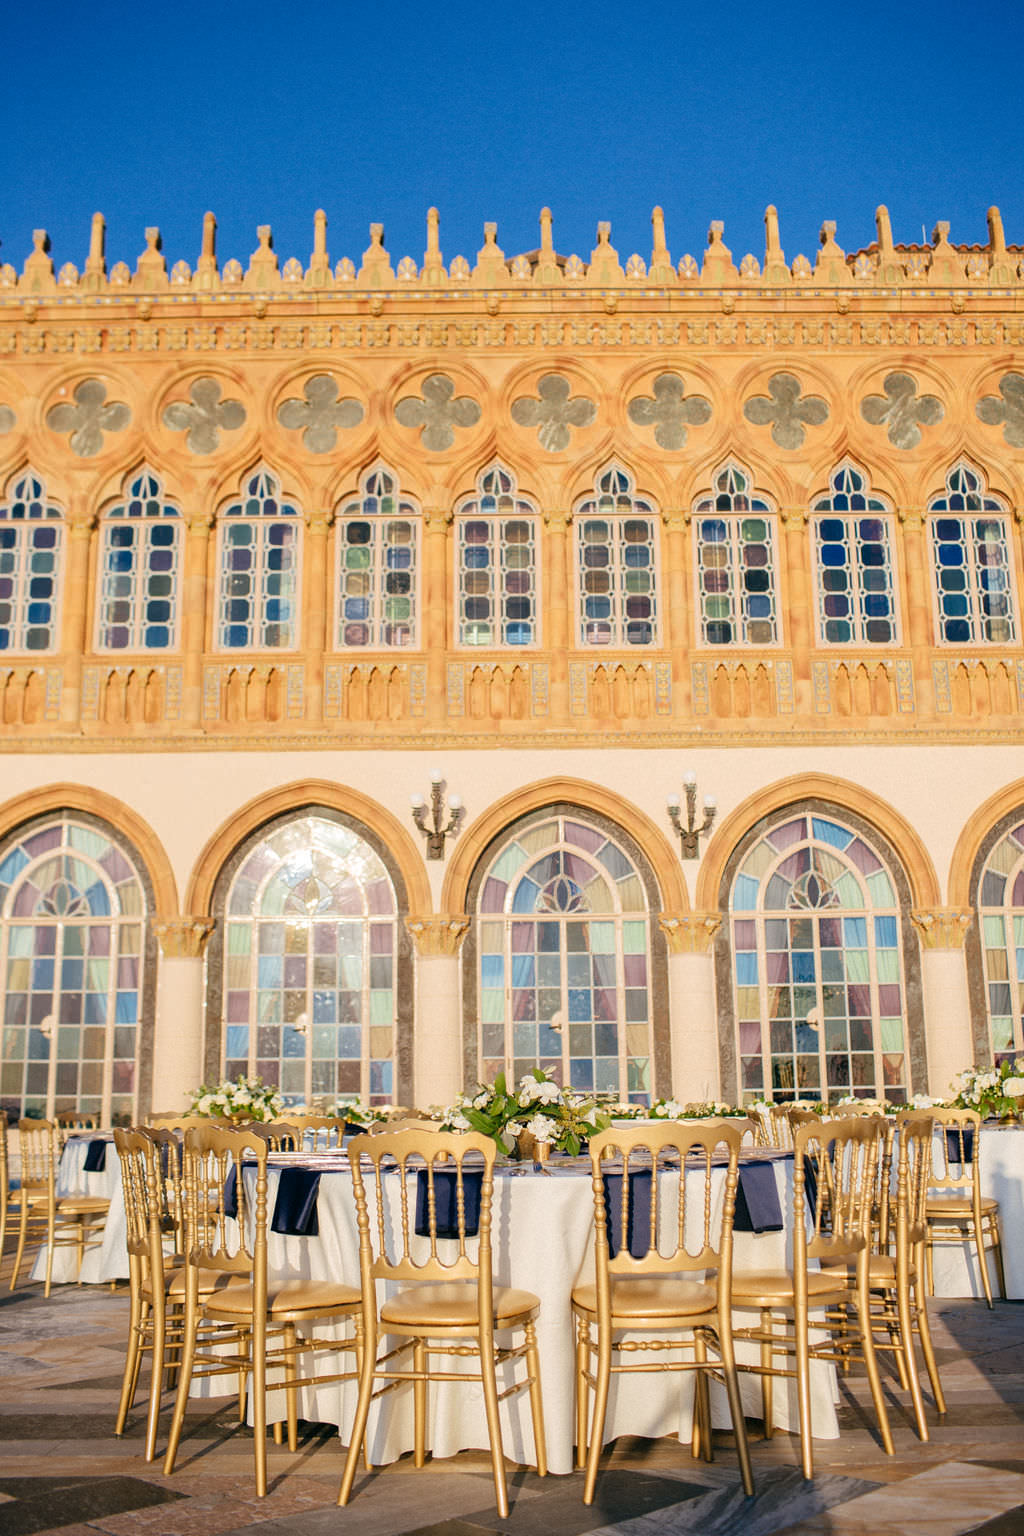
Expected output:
(957, 1211)
(58, 1221)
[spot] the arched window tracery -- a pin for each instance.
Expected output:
(854, 559)
(378, 543)
(616, 561)
(973, 566)
(735, 542)
(259, 569)
(140, 570)
(31, 550)
(1000, 906)
(497, 567)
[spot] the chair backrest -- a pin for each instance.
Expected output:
(39, 1147)
(279, 1135)
(77, 1120)
(403, 1123)
(456, 1169)
(655, 1188)
(778, 1120)
(225, 1216)
(835, 1166)
(141, 1197)
(317, 1131)
(756, 1126)
(174, 1122)
(915, 1128)
(956, 1149)
(846, 1111)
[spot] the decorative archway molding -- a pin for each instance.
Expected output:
(476, 838)
(292, 797)
(975, 831)
(120, 817)
(843, 794)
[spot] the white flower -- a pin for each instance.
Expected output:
(205, 1104)
(922, 1101)
(533, 1092)
(591, 1116)
(458, 1122)
(542, 1128)
(1014, 1087)
(672, 1109)
(482, 1100)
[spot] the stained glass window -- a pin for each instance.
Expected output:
(564, 980)
(818, 972)
(852, 544)
(140, 571)
(1001, 921)
(30, 558)
(972, 564)
(735, 534)
(309, 966)
(497, 564)
(378, 559)
(259, 569)
(72, 949)
(617, 601)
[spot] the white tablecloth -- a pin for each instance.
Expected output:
(108, 1259)
(542, 1241)
(1002, 1176)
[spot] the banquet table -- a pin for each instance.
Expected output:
(542, 1239)
(108, 1259)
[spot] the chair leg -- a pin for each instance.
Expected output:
(601, 1384)
(702, 1443)
(739, 1423)
(188, 1351)
(536, 1398)
(159, 1330)
(997, 1249)
(258, 1377)
(978, 1228)
(582, 1389)
(490, 1386)
(871, 1361)
(22, 1232)
(136, 1317)
(767, 1381)
(291, 1391)
(930, 1263)
(924, 1329)
(361, 1415)
(419, 1403)
(803, 1387)
(905, 1355)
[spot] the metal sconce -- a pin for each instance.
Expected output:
(436, 833)
(690, 834)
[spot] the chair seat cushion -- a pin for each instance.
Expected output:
(768, 1288)
(285, 1299)
(957, 1205)
(449, 1304)
(82, 1205)
(651, 1296)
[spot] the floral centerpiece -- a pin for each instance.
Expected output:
(247, 1098)
(539, 1107)
(361, 1114)
(997, 1090)
(703, 1109)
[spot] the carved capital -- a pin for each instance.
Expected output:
(676, 521)
(184, 938)
(943, 927)
(319, 522)
(436, 519)
(437, 935)
(794, 517)
(80, 528)
(911, 517)
(557, 522)
(689, 933)
(198, 522)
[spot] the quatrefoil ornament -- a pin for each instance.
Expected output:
(321, 414)
(902, 410)
(1008, 412)
(669, 410)
(786, 410)
(89, 417)
(203, 416)
(6, 420)
(438, 412)
(553, 412)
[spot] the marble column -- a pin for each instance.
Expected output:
(74, 638)
(797, 604)
(313, 639)
(559, 615)
(193, 617)
(676, 608)
(693, 1015)
(947, 1008)
(180, 1008)
(437, 1058)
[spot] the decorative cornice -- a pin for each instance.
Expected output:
(943, 927)
(689, 933)
(184, 938)
(437, 935)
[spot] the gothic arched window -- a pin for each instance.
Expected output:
(496, 531)
(817, 966)
(31, 531)
(259, 569)
(72, 953)
(617, 602)
(378, 537)
(972, 562)
(853, 551)
(309, 991)
(140, 570)
(1001, 925)
(564, 961)
(735, 536)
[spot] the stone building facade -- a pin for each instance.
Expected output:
(285, 547)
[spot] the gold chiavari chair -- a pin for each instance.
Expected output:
(756, 1126)
(279, 1135)
(318, 1132)
(58, 1221)
(639, 1286)
(958, 1213)
(240, 1319)
(10, 1193)
(172, 1122)
(841, 1158)
(448, 1304)
(70, 1121)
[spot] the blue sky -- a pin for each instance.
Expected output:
(264, 113)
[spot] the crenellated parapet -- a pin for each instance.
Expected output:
(883, 265)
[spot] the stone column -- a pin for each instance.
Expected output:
(434, 613)
(675, 623)
(316, 587)
(559, 611)
(919, 607)
(180, 1007)
(74, 639)
(947, 1008)
(193, 616)
(693, 1015)
(437, 1058)
(797, 606)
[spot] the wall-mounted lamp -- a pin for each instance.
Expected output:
(436, 833)
(690, 835)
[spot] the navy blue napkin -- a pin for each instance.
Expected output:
(231, 1192)
(446, 1202)
(757, 1199)
(95, 1157)
(953, 1135)
(638, 1212)
(295, 1213)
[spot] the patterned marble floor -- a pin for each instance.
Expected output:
(61, 1469)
